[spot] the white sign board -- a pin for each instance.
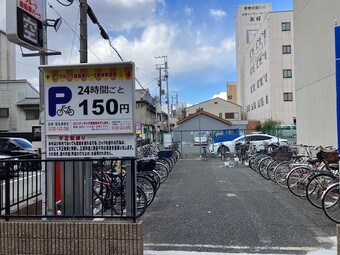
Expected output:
(89, 108)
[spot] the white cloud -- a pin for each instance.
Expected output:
(139, 34)
(222, 95)
(217, 14)
(188, 11)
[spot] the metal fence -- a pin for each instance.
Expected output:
(189, 148)
(35, 188)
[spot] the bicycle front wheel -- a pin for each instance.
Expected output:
(281, 172)
(263, 167)
(298, 179)
(317, 185)
(331, 202)
(270, 170)
(120, 202)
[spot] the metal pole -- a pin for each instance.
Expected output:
(46, 176)
(83, 31)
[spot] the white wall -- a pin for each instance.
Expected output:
(315, 71)
(7, 58)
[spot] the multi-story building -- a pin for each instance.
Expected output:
(7, 58)
(315, 71)
(248, 20)
(269, 87)
(232, 92)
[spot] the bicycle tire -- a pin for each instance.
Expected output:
(148, 188)
(263, 164)
(281, 172)
(297, 180)
(317, 186)
(271, 168)
(163, 171)
(168, 162)
(331, 202)
(101, 192)
(256, 162)
(251, 161)
(119, 205)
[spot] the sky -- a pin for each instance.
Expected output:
(196, 36)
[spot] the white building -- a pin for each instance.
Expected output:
(19, 106)
(218, 107)
(315, 71)
(269, 87)
(7, 58)
(248, 20)
(19, 100)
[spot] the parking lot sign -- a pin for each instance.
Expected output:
(89, 110)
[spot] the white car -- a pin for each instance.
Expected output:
(257, 140)
(200, 137)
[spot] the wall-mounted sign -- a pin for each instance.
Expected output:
(24, 22)
(90, 107)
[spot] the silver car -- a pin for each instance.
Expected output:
(257, 140)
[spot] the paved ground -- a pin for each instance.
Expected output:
(207, 208)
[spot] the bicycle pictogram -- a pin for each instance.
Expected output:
(65, 109)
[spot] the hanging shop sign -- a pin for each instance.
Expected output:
(24, 23)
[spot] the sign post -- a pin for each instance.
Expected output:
(337, 76)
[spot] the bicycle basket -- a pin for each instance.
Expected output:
(165, 153)
(329, 156)
(281, 155)
(146, 165)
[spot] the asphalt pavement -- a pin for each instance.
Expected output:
(207, 208)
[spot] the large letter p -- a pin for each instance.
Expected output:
(58, 95)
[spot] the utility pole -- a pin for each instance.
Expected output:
(83, 30)
(159, 114)
(166, 78)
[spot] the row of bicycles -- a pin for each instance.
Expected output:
(110, 187)
(306, 171)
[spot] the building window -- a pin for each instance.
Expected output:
(286, 49)
(285, 26)
(32, 114)
(220, 115)
(287, 73)
(288, 96)
(267, 99)
(229, 115)
(4, 112)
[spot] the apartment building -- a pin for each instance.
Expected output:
(269, 84)
(315, 71)
(232, 92)
(247, 22)
(7, 58)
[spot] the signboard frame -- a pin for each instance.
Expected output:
(89, 110)
(25, 23)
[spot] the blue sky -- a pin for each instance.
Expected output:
(197, 36)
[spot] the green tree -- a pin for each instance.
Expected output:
(269, 126)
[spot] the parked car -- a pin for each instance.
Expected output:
(21, 149)
(256, 140)
(6, 161)
(200, 137)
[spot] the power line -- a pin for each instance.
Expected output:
(74, 32)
